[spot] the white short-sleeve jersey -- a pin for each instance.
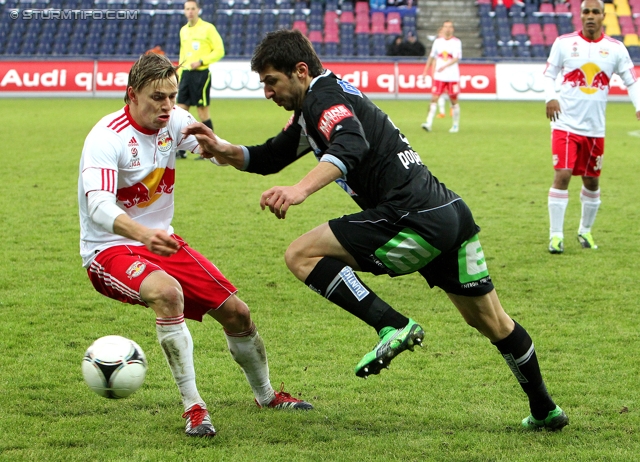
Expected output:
(137, 165)
(443, 51)
(586, 67)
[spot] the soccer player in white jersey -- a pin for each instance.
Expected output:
(127, 243)
(445, 54)
(586, 60)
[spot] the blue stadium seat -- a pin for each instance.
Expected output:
(538, 51)
(331, 49)
(92, 48)
(44, 48)
(506, 51)
(491, 52)
(346, 48)
(285, 20)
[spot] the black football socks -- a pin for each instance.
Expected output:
(337, 282)
(518, 351)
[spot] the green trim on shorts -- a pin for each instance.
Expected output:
(407, 252)
(472, 265)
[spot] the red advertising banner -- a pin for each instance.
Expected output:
(382, 77)
(474, 79)
(46, 76)
(112, 75)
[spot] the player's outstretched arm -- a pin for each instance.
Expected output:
(280, 198)
(213, 146)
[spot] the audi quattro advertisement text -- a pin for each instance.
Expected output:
(234, 79)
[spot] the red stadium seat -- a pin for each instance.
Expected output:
(331, 37)
(331, 20)
(378, 21)
(518, 29)
(315, 36)
(347, 17)
(301, 26)
(550, 32)
(362, 7)
(394, 23)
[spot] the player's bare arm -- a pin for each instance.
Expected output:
(450, 63)
(553, 109)
(427, 67)
(157, 241)
(213, 146)
(280, 198)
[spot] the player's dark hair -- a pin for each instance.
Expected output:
(148, 68)
(283, 50)
(194, 1)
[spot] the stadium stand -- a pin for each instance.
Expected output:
(528, 32)
(337, 28)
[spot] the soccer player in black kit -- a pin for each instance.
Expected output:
(409, 220)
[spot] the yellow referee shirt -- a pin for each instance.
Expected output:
(201, 42)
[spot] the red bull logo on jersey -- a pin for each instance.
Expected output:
(143, 194)
(589, 78)
(164, 141)
(445, 56)
(331, 117)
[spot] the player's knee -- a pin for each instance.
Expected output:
(167, 301)
(234, 315)
(294, 257)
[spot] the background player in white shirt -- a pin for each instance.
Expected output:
(445, 54)
(125, 193)
(586, 60)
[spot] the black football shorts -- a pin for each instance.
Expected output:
(195, 88)
(441, 244)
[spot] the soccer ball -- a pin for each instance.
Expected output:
(114, 367)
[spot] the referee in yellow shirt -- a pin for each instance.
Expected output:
(200, 46)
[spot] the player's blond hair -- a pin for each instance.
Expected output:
(149, 68)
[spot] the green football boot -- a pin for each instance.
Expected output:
(392, 343)
(556, 245)
(586, 241)
(555, 421)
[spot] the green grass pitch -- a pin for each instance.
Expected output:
(454, 400)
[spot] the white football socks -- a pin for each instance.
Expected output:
(432, 113)
(456, 114)
(441, 102)
(590, 204)
(177, 344)
(557, 203)
(247, 349)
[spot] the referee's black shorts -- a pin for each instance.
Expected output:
(195, 87)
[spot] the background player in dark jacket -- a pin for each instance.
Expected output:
(410, 221)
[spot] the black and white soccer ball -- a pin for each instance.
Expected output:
(114, 366)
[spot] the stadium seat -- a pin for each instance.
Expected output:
(315, 36)
(346, 48)
(394, 23)
(347, 17)
(331, 36)
(301, 26)
(631, 40)
(550, 32)
(626, 25)
(331, 49)
(634, 52)
(546, 9)
(562, 9)
(362, 7)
